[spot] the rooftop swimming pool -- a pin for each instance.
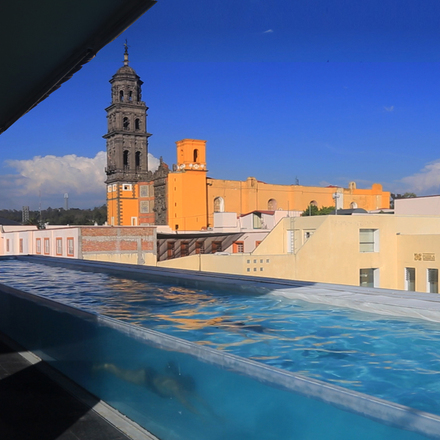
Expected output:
(391, 358)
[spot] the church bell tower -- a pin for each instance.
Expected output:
(127, 137)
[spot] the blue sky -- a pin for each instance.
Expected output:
(325, 92)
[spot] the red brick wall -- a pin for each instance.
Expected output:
(117, 239)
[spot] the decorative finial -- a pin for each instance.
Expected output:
(126, 53)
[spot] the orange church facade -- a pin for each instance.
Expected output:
(184, 198)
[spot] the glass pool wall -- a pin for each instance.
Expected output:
(180, 390)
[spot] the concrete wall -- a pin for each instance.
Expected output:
(417, 206)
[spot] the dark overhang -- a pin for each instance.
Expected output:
(45, 42)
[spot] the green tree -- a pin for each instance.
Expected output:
(313, 210)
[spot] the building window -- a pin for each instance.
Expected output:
(137, 158)
(121, 96)
(21, 245)
(7, 245)
(130, 96)
(184, 249)
(196, 155)
(70, 248)
(144, 190)
(170, 250)
(200, 247)
(109, 188)
(238, 247)
(272, 205)
(46, 246)
(125, 158)
(257, 222)
(38, 246)
(410, 279)
(137, 124)
(144, 206)
(134, 221)
(127, 187)
(368, 240)
(433, 280)
(219, 204)
(59, 246)
(216, 246)
(369, 277)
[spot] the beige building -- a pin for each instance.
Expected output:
(374, 250)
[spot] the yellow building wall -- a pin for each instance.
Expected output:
(421, 252)
(250, 195)
(332, 252)
(187, 187)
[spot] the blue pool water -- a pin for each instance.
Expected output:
(394, 359)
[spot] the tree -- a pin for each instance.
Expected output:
(313, 210)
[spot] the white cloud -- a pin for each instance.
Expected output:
(426, 181)
(389, 109)
(269, 31)
(52, 176)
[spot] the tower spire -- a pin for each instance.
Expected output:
(126, 53)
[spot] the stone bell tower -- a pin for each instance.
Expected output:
(127, 137)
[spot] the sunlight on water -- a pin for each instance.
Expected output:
(386, 357)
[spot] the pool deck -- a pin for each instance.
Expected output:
(38, 403)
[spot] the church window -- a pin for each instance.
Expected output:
(126, 123)
(144, 190)
(145, 206)
(125, 158)
(272, 205)
(138, 159)
(130, 96)
(196, 154)
(121, 96)
(137, 124)
(219, 204)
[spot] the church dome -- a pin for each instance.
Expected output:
(125, 70)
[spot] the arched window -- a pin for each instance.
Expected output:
(196, 154)
(130, 96)
(314, 203)
(125, 158)
(353, 205)
(272, 205)
(126, 123)
(219, 204)
(138, 159)
(137, 124)
(121, 96)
